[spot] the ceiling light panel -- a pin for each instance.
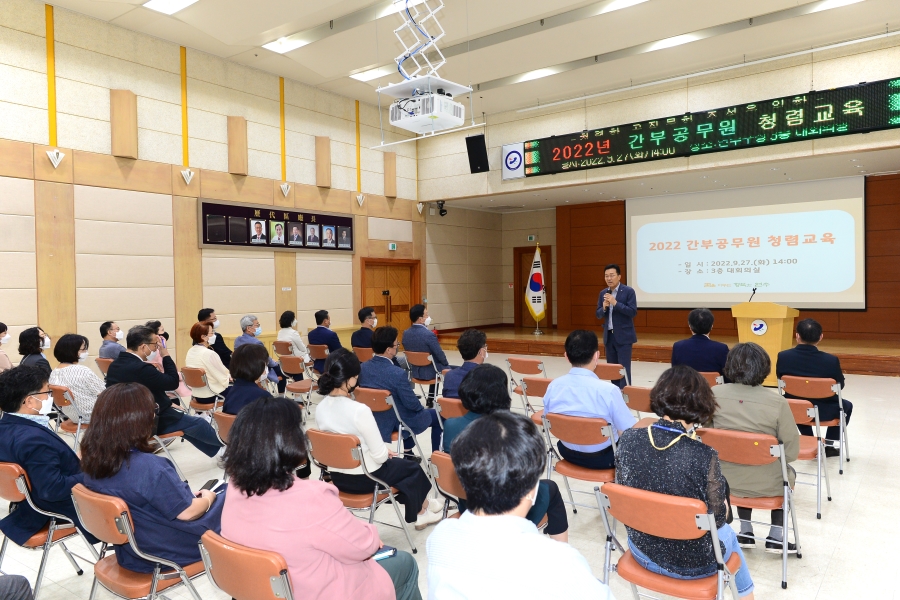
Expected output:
(168, 7)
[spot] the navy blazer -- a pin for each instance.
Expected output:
(222, 349)
(700, 353)
(241, 394)
(52, 468)
(419, 338)
(805, 360)
(622, 315)
(454, 378)
(129, 368)
(322, 336)
(36, 360)
(381, 374)
(361, 338)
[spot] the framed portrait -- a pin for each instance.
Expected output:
(295, 233)
(329, 239)
(345, 239)
(258, 232)
(276, 233)
(237, 230)
(313, 240)
(215, 228)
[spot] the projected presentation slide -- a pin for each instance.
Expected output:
(803, 253)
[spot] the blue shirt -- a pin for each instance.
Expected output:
(246, 338)
(580, 393)
(454, 377)
(155, 496)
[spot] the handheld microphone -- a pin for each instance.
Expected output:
(751, 295)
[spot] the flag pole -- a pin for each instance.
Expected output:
(537, 326)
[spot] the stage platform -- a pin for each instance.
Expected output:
(857, 356)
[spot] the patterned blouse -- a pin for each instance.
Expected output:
(85, 386)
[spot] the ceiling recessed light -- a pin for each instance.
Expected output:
(790, 178)
(854, 160)
(168, 7)
(774, 168)
(863, 171)
(364, 76)
(704, 177)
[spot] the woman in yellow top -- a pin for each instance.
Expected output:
(201, 356)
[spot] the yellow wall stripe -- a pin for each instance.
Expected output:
(51, 74)
(283, 153)
(184, 114)
(358, 161)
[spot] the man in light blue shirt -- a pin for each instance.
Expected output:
(580, 393)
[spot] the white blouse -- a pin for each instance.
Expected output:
(217, 376)
(85, 387)
(298, 348)
(340, 414)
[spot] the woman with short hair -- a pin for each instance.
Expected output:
(327, 549)
(289, 333)
(71, 351)
(117, 460)
(249, 368)
(32, 343)
(5, 363)
(201, 356)
(667, 458)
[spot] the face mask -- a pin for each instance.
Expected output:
(46, 406)
(82, 357)
(374, 323)
(164, 335)
(264, 376)
(427, 321)
(47, 342)
(211, 340)
(294, 323)
(258, 331)
(152, 356)
(534, 495)
(216, 324)
(485, 354)
(353, 387)
(5, 339)
(120, 335)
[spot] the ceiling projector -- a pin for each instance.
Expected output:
(427, 112)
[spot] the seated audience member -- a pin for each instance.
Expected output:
(322, 335)
(251, 331)
(381, 373)
(219, 347)
(202, 356)
(134, 366)
(118, 460)
(71, 351)
(340, 413)
(698, 351)
(288, 333)
(249, 370)
(484, 391)
(472, 346)
(745, 405)
(806, 360)
(580, 393)
(111, 335)
(183, 391)
(27, 440)
(15, 587)
(5, 363)
(325, 546)
(499, 460)
(667, 458)
(362, 337)
(32, 343)
(418, 338)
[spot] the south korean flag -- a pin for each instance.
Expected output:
(535, 293)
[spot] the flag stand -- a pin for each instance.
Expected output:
(537, 329)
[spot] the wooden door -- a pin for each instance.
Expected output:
(391, 287)
(522, 257)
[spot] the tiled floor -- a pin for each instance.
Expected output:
(846, 554)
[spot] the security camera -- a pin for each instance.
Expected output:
(441, 210)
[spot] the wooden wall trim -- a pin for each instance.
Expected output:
(16, 159)
(323, 161)
(103, 170)
(236, 188)
(188, 263)
(43, 168)
(237, 146)
(123, 127)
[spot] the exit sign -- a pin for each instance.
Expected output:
(532, 238)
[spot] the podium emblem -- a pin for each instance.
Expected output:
(759, 327)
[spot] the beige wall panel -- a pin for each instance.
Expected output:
(392, 230)
(212, 69)
(444, 234)
(310, 197)
(329, 297)
(389, 208)
(121, 206)
(488, 292)
(237, 188)
(206, 125)
(83, 100)
(483, 238)
(440, 293)
(82, 133)
(241, 300)
(18, 199)
(122, 271)
(379, 249)
(245, 270)
(485, 312)
(55, 255)
(21, 86)
(101, 170)
(447, 274)
(419, 241)
(140, 304)
(312, 272)
(18, 269)
(158, 146)
(264, 164)
(458, 186)
(372, 182)
(530, 219)
(484, 256)
(19, 312)
(343, 154)
(103, 237)
(448, 316)
(479, 274)
(16, 160)
(43, 168)
(301, 170)
(207, 155)
(188, 270)
(444, 254)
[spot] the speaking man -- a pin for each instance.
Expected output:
(617, 305)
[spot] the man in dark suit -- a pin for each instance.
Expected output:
(208, 315)
(258, 236)
(617, 305)
(362, 337)
(419, 338)
(295, 235)
(311, 236)
(472, 346)
(132, 367)
(806, 360)
(381, 373)
(322, 335)
(698, 351)
(27, 440)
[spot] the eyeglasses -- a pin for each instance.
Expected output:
(40, 393)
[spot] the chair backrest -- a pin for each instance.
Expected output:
(445, 475)
(661, 515)
(809, 387)
(451, 408)
(740, 447)
(102, 515)
(609, 371)
(194, 377)
(363, 354)
(62, 396)
(418, 359)
(290, 364)
(586, 431)
(335, 450)
(376, 400)
(103, 364)
(9, 474)
(318, 351)
(526, 366)
(535, 387)
(637, 398)
(244, 573)
(804, 411)
(712, 378)
(282, 347)
(224, 421)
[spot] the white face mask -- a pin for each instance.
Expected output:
(485, 354)
(534, 495)
(216, 324)
(374, 322)
(211, 340)
(294, 323)
(83, 356)
(120, 335)
(5, 339)
(152, 356)
(47, 342)
(264, 376)
(46, 406)
(427, 321)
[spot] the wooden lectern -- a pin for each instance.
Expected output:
(775, 332)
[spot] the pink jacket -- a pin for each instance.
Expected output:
(327, 549)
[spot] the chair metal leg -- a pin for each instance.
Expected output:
(794, 526)
(3, 553)
(635, 592)
(190, 586)
(400, 518)
(77, 433)
(93, 588)
(571, 497)
(820, 457)
(827, 479)
(46, 554)
(169, 456)
(845, 444)
(71, 559)
(153, 583)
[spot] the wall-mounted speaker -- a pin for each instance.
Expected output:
(478, 160)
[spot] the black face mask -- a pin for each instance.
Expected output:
(352, 387)
(165, 335)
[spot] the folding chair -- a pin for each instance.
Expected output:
(612, 372)
(380, 401)
(363, 354)
(342, 451)
(532, 388)
(316, 352)
(811, 448)
(448, 408)
(223, 422)
(165, 436)
(103, 365)
(819, 388)
(62, 396)
(245, 573)
(295, 364)
(586, 431)
(282, 348)
(754, 449)
(637, 398)
(664, 516)
(712, 378)
(195, 378)
(109, 520)
(423, 359)
(523, 366)
(16, 487)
